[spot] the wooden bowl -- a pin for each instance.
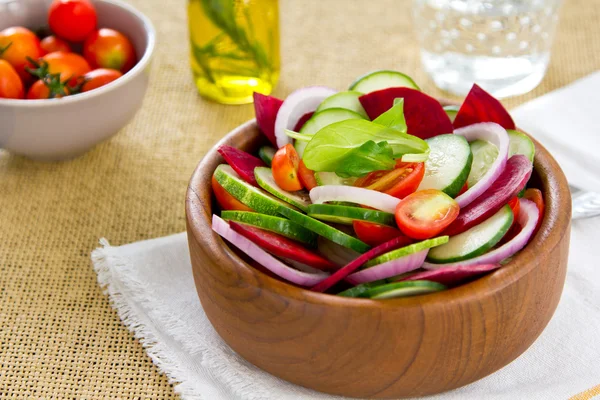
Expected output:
(394, 348)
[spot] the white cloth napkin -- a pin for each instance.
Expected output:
(150, 284)
(567, 122)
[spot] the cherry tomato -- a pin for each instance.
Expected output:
(99, 77)
(285, 168)
(69, 65)
(515, 206)
(424, 214)
(107, 48)
(16, 44)
(463, 189)
(399, 182)
(535, 195)
(226, 200)
(11, 86)
(40, 90)
(51, 43)
(376, 234)
(73, 20)
(306, 176)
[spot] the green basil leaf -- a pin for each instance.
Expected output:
(394, 117)
(367, 158)
(330, 145)
(298, 136)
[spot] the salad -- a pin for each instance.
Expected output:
(379, 191)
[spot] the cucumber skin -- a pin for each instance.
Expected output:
(323, 211)
(484, 248)
(325, 230)
(406, 250)
(426, 287)
(249, 195)
(273, 224)
(264, 154)
(277, 193)
(357, 81)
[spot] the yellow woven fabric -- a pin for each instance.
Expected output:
(59, 337)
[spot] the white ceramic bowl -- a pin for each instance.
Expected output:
(64, 128)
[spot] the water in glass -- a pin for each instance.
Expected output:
(502, 45)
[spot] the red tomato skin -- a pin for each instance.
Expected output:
(463, 189)
(422, 230)
(99, 77)
(226, 200)
(11, 86)
(515, 206)
(38, 91)
(285, 168)
(403, 180)
(108, 48)
(306, 176)
(376, 234)
(536, 196)
(20, 43)
(73, 20)
(67, 64)
(52, 43)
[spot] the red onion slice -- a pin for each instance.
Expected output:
(265, 259)
(496, 135)
(528, 218)
(387, 269)
(365, 197)
(297, 104)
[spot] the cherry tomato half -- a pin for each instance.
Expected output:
(515, 206)
(226, 200)
(51, 43)
(11, 86)
(376, 234)
(399, 182)
(306, 176)
(463, 189)
(107, 48)
(73, 20)
(424, 214)
(535, 195)
(99, 77)
(16, 44)
(69, 65)
(285, 168)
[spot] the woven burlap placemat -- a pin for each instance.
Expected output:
(59, 337)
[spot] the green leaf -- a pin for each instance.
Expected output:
(298, 136)
(394, 117)
(367, 158)
(330, 145)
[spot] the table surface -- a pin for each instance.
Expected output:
(59, 337)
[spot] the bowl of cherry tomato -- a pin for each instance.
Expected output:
(72, 74)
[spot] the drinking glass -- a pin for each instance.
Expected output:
(234, 48)
(502, 45)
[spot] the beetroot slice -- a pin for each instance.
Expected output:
(265, 109)
(451, 276)
(424, 115)
(480, 106)
(302, 121)
(510, 182)
(241, 162)
(353, 265)
(281, 246)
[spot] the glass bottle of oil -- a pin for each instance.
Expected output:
(234, 48)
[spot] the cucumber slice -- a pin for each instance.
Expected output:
(320, 120)
(448, 165)
(322, 229)
(345, 215)
(264, 177)
(407, 250)
(266, 153)
(404, 289)
(484, 155)
(277, 225)
(451, 111)
(475, 241)
(348, 100)
(253, 197)
(331, 178)
(361, 290)
(519, 143)
(383, 79)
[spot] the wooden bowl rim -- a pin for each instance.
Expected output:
(551, 231)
